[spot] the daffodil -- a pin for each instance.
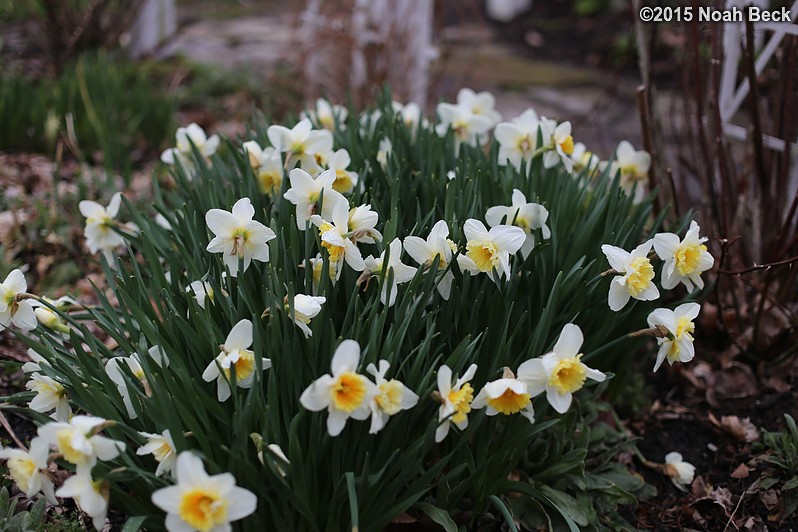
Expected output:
(401, 272)
(162, 448)
(584, 160)
(326, 115)
(237, 236)
(277, 451)
(684, 260)
(558, 142)
(384, 149)
(114, 370)
(678, 344)
(518, 139)
(362, 224)
(316, 265)
(344, 393)
(636, 277)
(335, 238)
(306, 308)
(455, 398)
(29, 469)
(302, 143)
(266, 165)
(410, 115)
(680, 472)
(90, 495)
(36, 362)
(561, 372)
(202, 291)
(235, 359)
(305, 192)
(438, 245)
(15, 307)
(100, 224)
(489, 251)
(633, 167)
(199, 501)
(50, 395)
(183, 153)
(79, 442)
(48, 317)
(345, 179)
(528, 216)
(466, 126)
(480, 104)
(392, 397)
(507, 396)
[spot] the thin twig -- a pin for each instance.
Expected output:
(6, 425)
(768, 266)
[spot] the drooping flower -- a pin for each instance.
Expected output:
(235, 360)
(199, 501)
(29, 469)
(90, 495)
(489, 251)
(561, 372)
(114, 370)
(480, 104)
(507, 396)
(438, 245)
(636, 277)
(306, 191)
(237, 236)
(15, 308)
(455, 398)
(183, 152)
(684, 260)
(344, 393)
(528, 216)
(680, 472)
(302, 143)
(392, 397)
(50, 395)
(335, 238)
(306, 308)
(36, 362)
(100, 224)
(633, 166)
(401, 272)
(678, 344)
(345, 180)
(518, 139)
(557, 138)
(326, 115)
(162, 448)
(79, 442)
(266, 165)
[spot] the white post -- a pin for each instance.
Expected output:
(156, 21)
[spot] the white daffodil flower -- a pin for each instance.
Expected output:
(561, 372)
(684, 260)
(49, 318)
(183, 153)
(36, 362)
(335, 238)
(202, 291)
(199, 501)
(305, 192)
(680, 472)
(480, 104)
(100, 223)
(633, 166)
(455, 398)
(79, 442)
(235, 359)
(437, 244)
(402, 273)
(162, 448)
(368, 122)
(326, 115)
(344, 393)
(558, 142)
(133, 363)
(410, 115)
(507, 396)
(237, 236)
(489, 251)
(278, 451)
(301, 143)
(29, 469)
(15, 308)
(518, 139)
(50, 395)
(362, 224)
(383, 151)
(393, 397)
(345, 180)
(90, 495)
(678, 345)
(306, 308)
(636, 277)
(267, 165)
(528, 216)
(466, 126)
(584, 160)
(316, 265)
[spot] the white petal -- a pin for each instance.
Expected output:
(570, 341)
(346, 357)
(240, 336)
(316, 397)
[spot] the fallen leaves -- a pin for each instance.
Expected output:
(741, 428)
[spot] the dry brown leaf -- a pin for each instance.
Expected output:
(741, 472)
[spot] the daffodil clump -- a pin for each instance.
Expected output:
(347, 319)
